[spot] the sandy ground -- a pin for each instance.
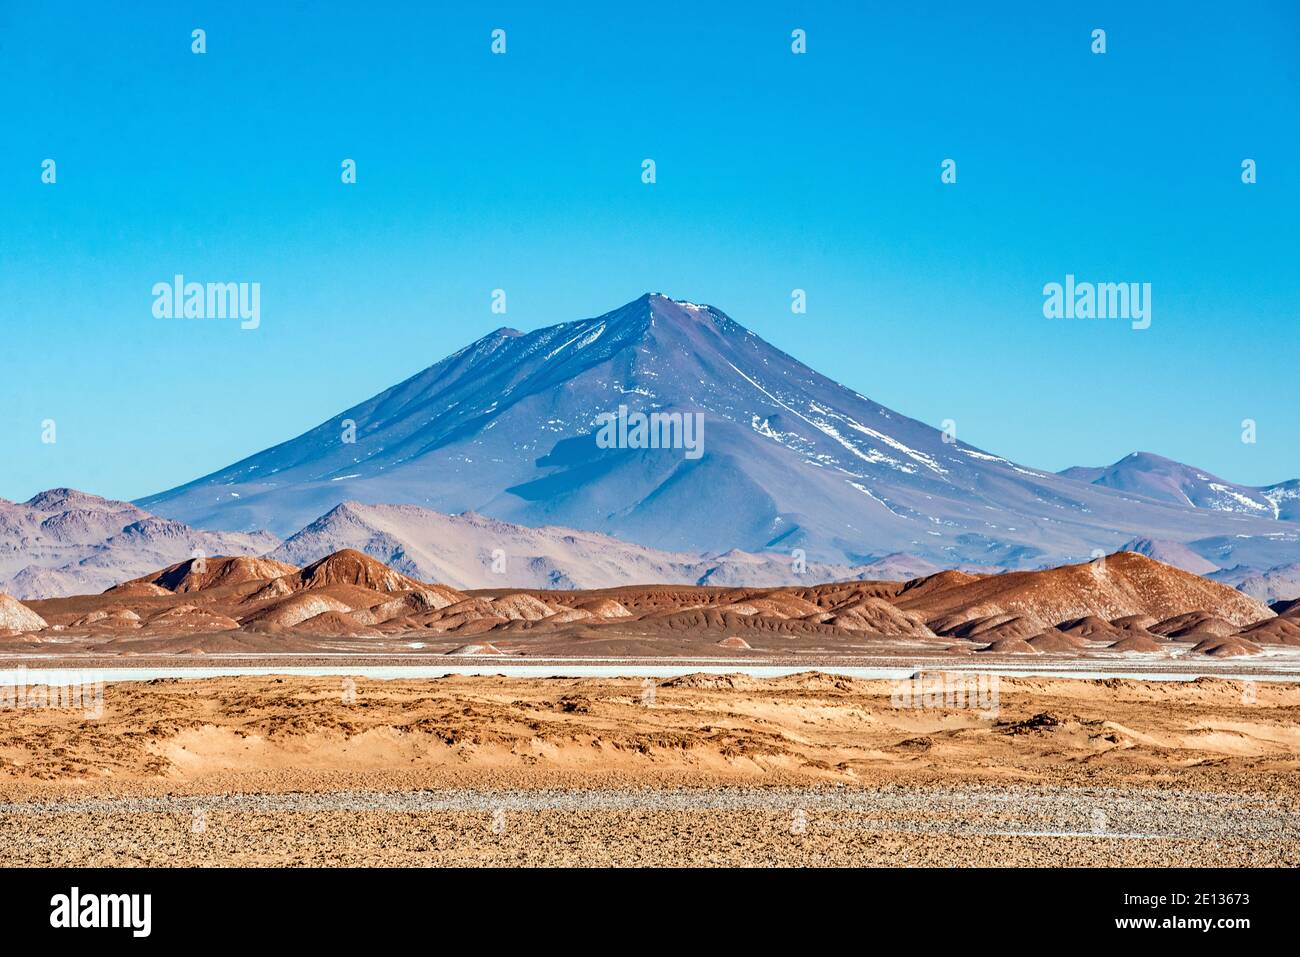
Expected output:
(802, 770)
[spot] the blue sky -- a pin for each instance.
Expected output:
(522, 172)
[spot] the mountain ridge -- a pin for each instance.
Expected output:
(1125, 603)
(1164, 479)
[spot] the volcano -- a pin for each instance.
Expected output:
(787, 461)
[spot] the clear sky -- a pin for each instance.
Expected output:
(523, 172)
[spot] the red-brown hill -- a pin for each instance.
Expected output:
(1122, 584)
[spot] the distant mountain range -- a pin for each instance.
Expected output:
(1281, 583)
(64, 542)
(1165, 480)
(472, 551)
(509, 427)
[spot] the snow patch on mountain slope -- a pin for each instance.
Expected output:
(872, 456)
(1230, 496)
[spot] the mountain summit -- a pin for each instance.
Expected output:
(508, 427)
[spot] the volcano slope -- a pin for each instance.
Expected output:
(1126, 604)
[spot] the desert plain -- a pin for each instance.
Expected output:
(704, 769)
(1125, 715)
